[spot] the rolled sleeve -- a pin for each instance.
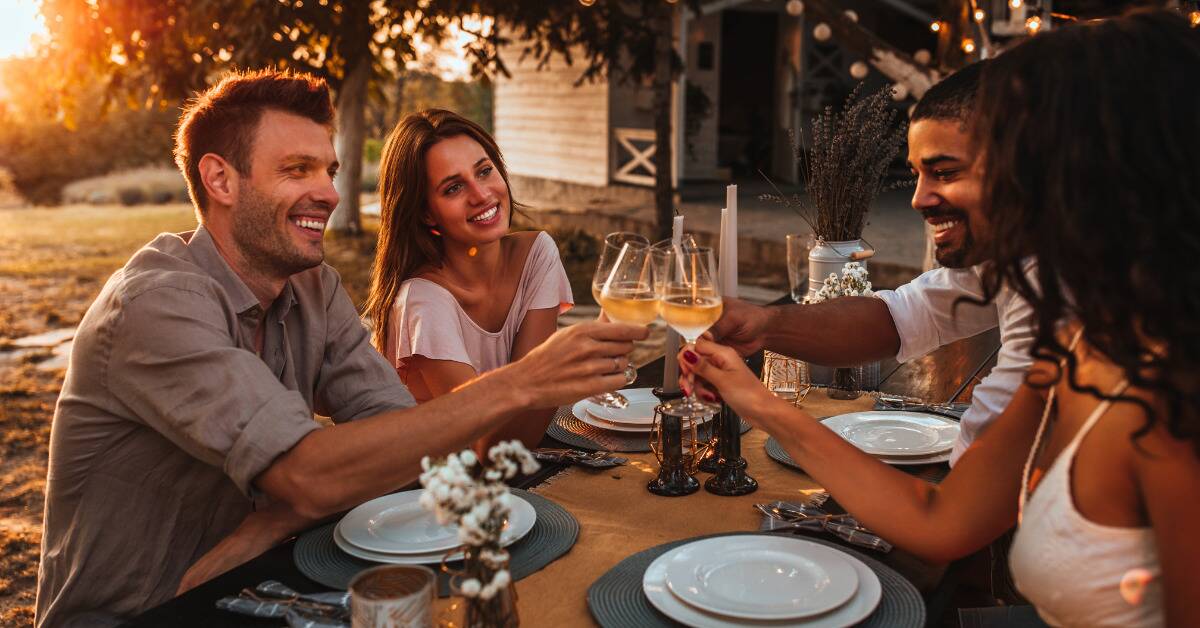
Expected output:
(355, 380)
(175, 365)
(926, 315)
(263, 439)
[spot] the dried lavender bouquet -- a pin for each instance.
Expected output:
(846, 166)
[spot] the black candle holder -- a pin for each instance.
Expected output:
(731, 478)
(674, 478)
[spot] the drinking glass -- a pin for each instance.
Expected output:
(611, 251)
(798, 247)
(690, 303)
(392, 596)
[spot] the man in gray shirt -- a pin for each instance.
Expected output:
(187, 410)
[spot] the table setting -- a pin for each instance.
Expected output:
(599, 545)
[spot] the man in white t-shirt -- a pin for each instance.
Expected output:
(920, 316)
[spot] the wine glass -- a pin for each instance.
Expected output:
(613, 244)
(690, 303)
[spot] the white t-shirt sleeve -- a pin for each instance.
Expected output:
(925, 313)
(425, 322)
(547, 285)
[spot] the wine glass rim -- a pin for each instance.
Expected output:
(629, 238)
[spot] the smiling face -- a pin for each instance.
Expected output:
(468, 200)
(278, 219)
(948, 187)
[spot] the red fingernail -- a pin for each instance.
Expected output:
(690, 357)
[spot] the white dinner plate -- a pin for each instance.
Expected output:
(761, 577)
(398, 524)
(580, 411)
(639, 412)
(429, 558)
(909, 462)
(895, 433)
(856, 609)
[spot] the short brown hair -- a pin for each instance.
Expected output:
(222, 120)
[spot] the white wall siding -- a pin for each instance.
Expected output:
(547, 127)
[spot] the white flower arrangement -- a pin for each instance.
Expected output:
(462, 490)
(853, 283)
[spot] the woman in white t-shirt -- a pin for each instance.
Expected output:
(453, 293)
(1089, 155)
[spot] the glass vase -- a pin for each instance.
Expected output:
(847, 383)
(499, 611)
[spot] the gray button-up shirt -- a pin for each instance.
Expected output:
(168, 414)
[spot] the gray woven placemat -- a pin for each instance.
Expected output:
(932, 473)
(571, 431)
(616, 599)
(319, 558)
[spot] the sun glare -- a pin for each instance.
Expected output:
(20, 22)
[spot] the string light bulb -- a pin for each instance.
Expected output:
(822, 32)
(968, 45)
(794, 8)
(1194, 16)
(587, 3)
(1033, 25)
(979, 15)
(1015, 4)
(935, 27)
(859, 70)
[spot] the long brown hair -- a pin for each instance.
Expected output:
(406, 244)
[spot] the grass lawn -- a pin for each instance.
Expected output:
(53, 263)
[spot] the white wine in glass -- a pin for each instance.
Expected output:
(690, 303)
(633, 303)
(690, 314)
(611, 251)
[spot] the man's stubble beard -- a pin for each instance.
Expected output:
(260, 241)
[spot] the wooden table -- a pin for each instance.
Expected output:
(617, 515)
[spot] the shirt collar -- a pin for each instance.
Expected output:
(204, 252)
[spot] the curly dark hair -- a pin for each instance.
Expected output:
(1090, 140)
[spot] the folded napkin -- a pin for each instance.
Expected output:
(590, 459)
(273, 599)
(810, 517)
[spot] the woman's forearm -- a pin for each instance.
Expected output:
(905, 510)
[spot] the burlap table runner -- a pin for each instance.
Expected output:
(618, 517)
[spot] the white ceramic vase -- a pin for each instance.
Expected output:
(828, 257)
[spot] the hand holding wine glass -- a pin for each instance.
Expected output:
(624, 298)
(690, 302)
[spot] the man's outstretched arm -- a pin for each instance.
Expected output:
(839, 332)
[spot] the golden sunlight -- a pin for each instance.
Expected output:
(20, 23)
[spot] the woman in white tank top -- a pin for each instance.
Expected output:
(1088, 159)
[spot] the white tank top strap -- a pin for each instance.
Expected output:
(1069, 450)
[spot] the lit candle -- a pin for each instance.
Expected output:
(671, 367)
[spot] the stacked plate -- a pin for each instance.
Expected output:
(637, 417)
(397, 529)
(898, 437)
(754, 580)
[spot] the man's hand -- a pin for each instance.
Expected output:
(743, 326)
(576, 362)
(259, 531)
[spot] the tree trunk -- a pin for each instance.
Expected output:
(664, 206)
(351, 135)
